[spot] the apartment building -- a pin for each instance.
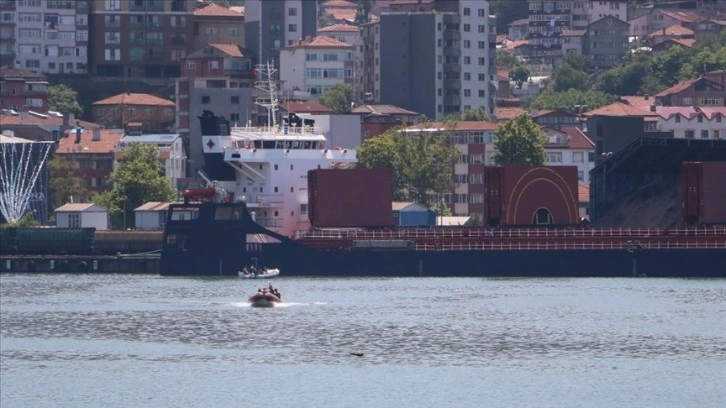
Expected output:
(214, 24)
(272, 25)
(316, 64)
(349, 34)
(135, 112)
(146, 38)
(707, 90)
(549, 19)
(688, 122)
(22, 90)
(50, 36)
(712, 8)
(433, 62)
(606, 42)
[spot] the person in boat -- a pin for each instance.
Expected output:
(277, 293)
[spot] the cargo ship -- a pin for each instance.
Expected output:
(283, 199)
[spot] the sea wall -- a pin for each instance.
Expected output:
(78, 263)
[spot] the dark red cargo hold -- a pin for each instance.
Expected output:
(341, 198)
(703, 193)
(527, 195)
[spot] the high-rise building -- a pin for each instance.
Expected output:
(51, 37)
(436, 62)
(146, 38)
(274, 24)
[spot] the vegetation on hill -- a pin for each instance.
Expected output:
(339, 98)
(139, 178)
(64, 185)
(64, 99)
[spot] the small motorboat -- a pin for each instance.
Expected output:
(266, 297)
(255, 273)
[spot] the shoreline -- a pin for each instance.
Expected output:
(124, 263)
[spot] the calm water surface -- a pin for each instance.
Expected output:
(147, 341)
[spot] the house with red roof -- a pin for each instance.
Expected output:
(148, 113)
(349, 34)
(669, 43)
(708, 27)
(39, 127)
(675, 31)
(377, 119)
(219, 60)
(23, 90)
(316, 64)
(557, 118)
(214, 24)
(707, 90)
(570, 147)
(91, 149)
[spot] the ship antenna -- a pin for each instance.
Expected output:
(268, 85)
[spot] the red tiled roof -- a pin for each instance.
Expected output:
(233, 50)
(383, 110)
(339, 4)
(320, 41)
(305, 107)
(679, 87)
(503, 75)
(683, 16)
(667, 112)
(216, 10)
(573, 33)
(675, 29)
(339, 27)
(686, 42)
(639, 102)
(461, 125)
(508, 113)
(342, 14)
(134, 99)
(619, 109)
(238, 9)
(713, 111)
(48, 120)
(578, 139)
(108, 140)
(521, 21)
(8, 72)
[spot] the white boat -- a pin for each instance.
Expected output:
(254, 273)
(267, 167)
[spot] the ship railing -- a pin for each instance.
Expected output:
(592, 245)
(279, 129)
(419, 233)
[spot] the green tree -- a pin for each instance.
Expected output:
(703, 61)
(339, 98)
(520, 141)
(519, 74)
(63, 99)
(362, 14)
(549, 99)
(577, 61)
(64, 184)
(477, 114)
(421, 162)
(567, 77)
(139, 178)
(506, 60)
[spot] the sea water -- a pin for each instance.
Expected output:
(146, 341)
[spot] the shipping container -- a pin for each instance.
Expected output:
(339, 198)
(531, 196)
(703, 193)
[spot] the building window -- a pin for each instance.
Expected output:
(580, 175)
(74, 220)
(704, 134)
(690, 134)
(716, 134)
(554, 157)
(678, 118)
(205, 99)
(687, 100)
(292, 28)
(710, 102)
(234, 117)
(578, 157)
(467, 11)
(234, 100)
(292, 11)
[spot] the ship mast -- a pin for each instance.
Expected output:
(268, 85)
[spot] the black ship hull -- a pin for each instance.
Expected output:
(214, 243)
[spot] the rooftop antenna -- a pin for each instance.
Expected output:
(269, 85)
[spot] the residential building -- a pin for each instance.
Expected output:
(606, 42)
(40, 127)
(349, 34)
(144, 112)
(709, 27)
(688, 122)
(22, 90)
(214, 24)
(712, 8)
(377, 119)
(52, 36)
(440, 62)
(146, 38)
(272, 25)
(219, 78)
(171, 153)
(657, 19)
(316, 64)
(82, 215)
(666, 45)
(707, 90)
(573, 41)
(674, 32)
(340, 130)
(557, 118)
(340, 12)
(570, 147)
(518, 29)
(7, 32)
(91, 150)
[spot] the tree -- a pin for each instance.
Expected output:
(63, 99)
(64, 184)
(362, 14)
(549, 99)
(520, 141)
(421, 162)
(506, 60)
(139, 178)
(567, 77)
(339, 98)
(477, 114)
(519, 74)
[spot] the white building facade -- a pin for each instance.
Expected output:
(351, 35)
(316, 64)
(687, 122)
